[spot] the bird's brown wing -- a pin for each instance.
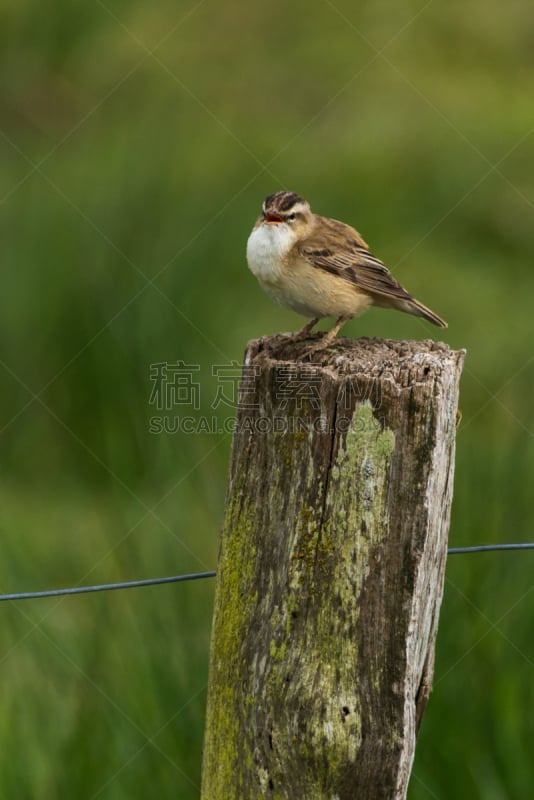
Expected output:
(341, 251)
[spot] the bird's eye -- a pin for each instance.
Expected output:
(292, 216)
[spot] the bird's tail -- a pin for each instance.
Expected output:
(413, 306)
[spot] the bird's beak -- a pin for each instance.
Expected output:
(272, 218)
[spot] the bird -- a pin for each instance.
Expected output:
(320, 267)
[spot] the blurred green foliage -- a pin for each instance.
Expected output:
(136, 144)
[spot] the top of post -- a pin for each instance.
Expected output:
(405, 361)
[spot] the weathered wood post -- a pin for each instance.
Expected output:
(331, 569)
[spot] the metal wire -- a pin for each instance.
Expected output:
(196, 576)
(482, 548)
(106, 587)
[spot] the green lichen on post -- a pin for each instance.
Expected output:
(306, 535)
(353, 523)
(361, 466)
(233, 603)
(358, 496)
(327, 536)
(364, 433)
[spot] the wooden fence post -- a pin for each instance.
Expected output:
(331, 569)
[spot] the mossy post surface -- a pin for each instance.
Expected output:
(331, 569)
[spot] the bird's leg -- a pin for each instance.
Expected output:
(333, 332)
(305, 331)
(330, 336)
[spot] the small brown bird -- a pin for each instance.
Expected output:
(320, 267)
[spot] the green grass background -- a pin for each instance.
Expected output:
(137, 141)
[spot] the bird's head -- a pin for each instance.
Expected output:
(287, 208)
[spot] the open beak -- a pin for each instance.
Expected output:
(271, 218)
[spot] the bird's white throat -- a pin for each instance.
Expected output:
(266, 248)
